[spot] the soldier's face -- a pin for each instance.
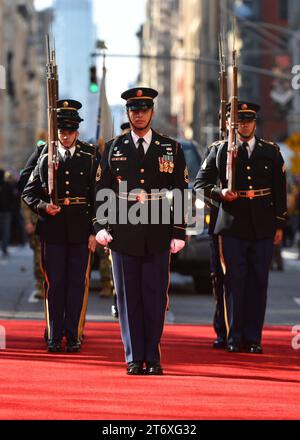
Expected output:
(67, 137)
(246, 129)
(140, 118)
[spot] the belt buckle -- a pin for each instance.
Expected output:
(67, 202)
(141, 197)
(250, 194)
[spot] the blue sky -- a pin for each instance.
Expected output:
(117, 22)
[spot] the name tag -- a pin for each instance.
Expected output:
(118, 158)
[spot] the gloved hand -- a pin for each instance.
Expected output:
(176, 245)
(103, 237)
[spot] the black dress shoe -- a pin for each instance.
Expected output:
(234, 347)
(220, 343)
(135, 368)
(54, 346)
(73, 346)
(153, 369)
(254, 348)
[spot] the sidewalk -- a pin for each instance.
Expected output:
(17, 294)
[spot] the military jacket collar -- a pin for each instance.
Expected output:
(152, 149)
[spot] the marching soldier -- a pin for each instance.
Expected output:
(31, 217)
(139, 167)
(65, 230)
(250, 219)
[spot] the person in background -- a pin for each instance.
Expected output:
(6, 207)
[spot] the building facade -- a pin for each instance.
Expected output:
(20, 101)
(75, 40)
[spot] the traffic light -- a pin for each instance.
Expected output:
(93, 87)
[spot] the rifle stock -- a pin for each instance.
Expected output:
(52, 97)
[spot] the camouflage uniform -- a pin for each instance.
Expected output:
(35, 244)
(105, 272)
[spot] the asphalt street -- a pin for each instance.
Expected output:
(17, 294)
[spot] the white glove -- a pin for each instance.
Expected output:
(103, 237)
(176, 245)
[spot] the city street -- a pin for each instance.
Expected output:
(17, 294)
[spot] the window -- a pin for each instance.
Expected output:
(283, 9)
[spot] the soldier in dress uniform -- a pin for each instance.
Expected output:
(250, 219)
(139, 167)
(65, 230)
(30, 217)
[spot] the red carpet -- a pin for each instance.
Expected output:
(200, 383)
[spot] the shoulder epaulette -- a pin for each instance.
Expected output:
(85, 152)
(166, 136)
(40, 143)
(87, 144)
(218, 143)
(116, 138)
(268, 142)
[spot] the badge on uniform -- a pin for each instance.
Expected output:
(166, 164)
(114, 159)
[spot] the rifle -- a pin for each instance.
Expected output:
(223, 91)
(233, 126)
(52, 97)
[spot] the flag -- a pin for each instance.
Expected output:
(105, 126)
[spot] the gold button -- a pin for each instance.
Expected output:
(67, 172)
(142, 181)
(67, 182)
(67, 192)
(248, 168)
(249, 177)
(142, 170)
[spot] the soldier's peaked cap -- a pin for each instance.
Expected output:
(246, 110)
(125, 126)
(67, 114)
(139, 98)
